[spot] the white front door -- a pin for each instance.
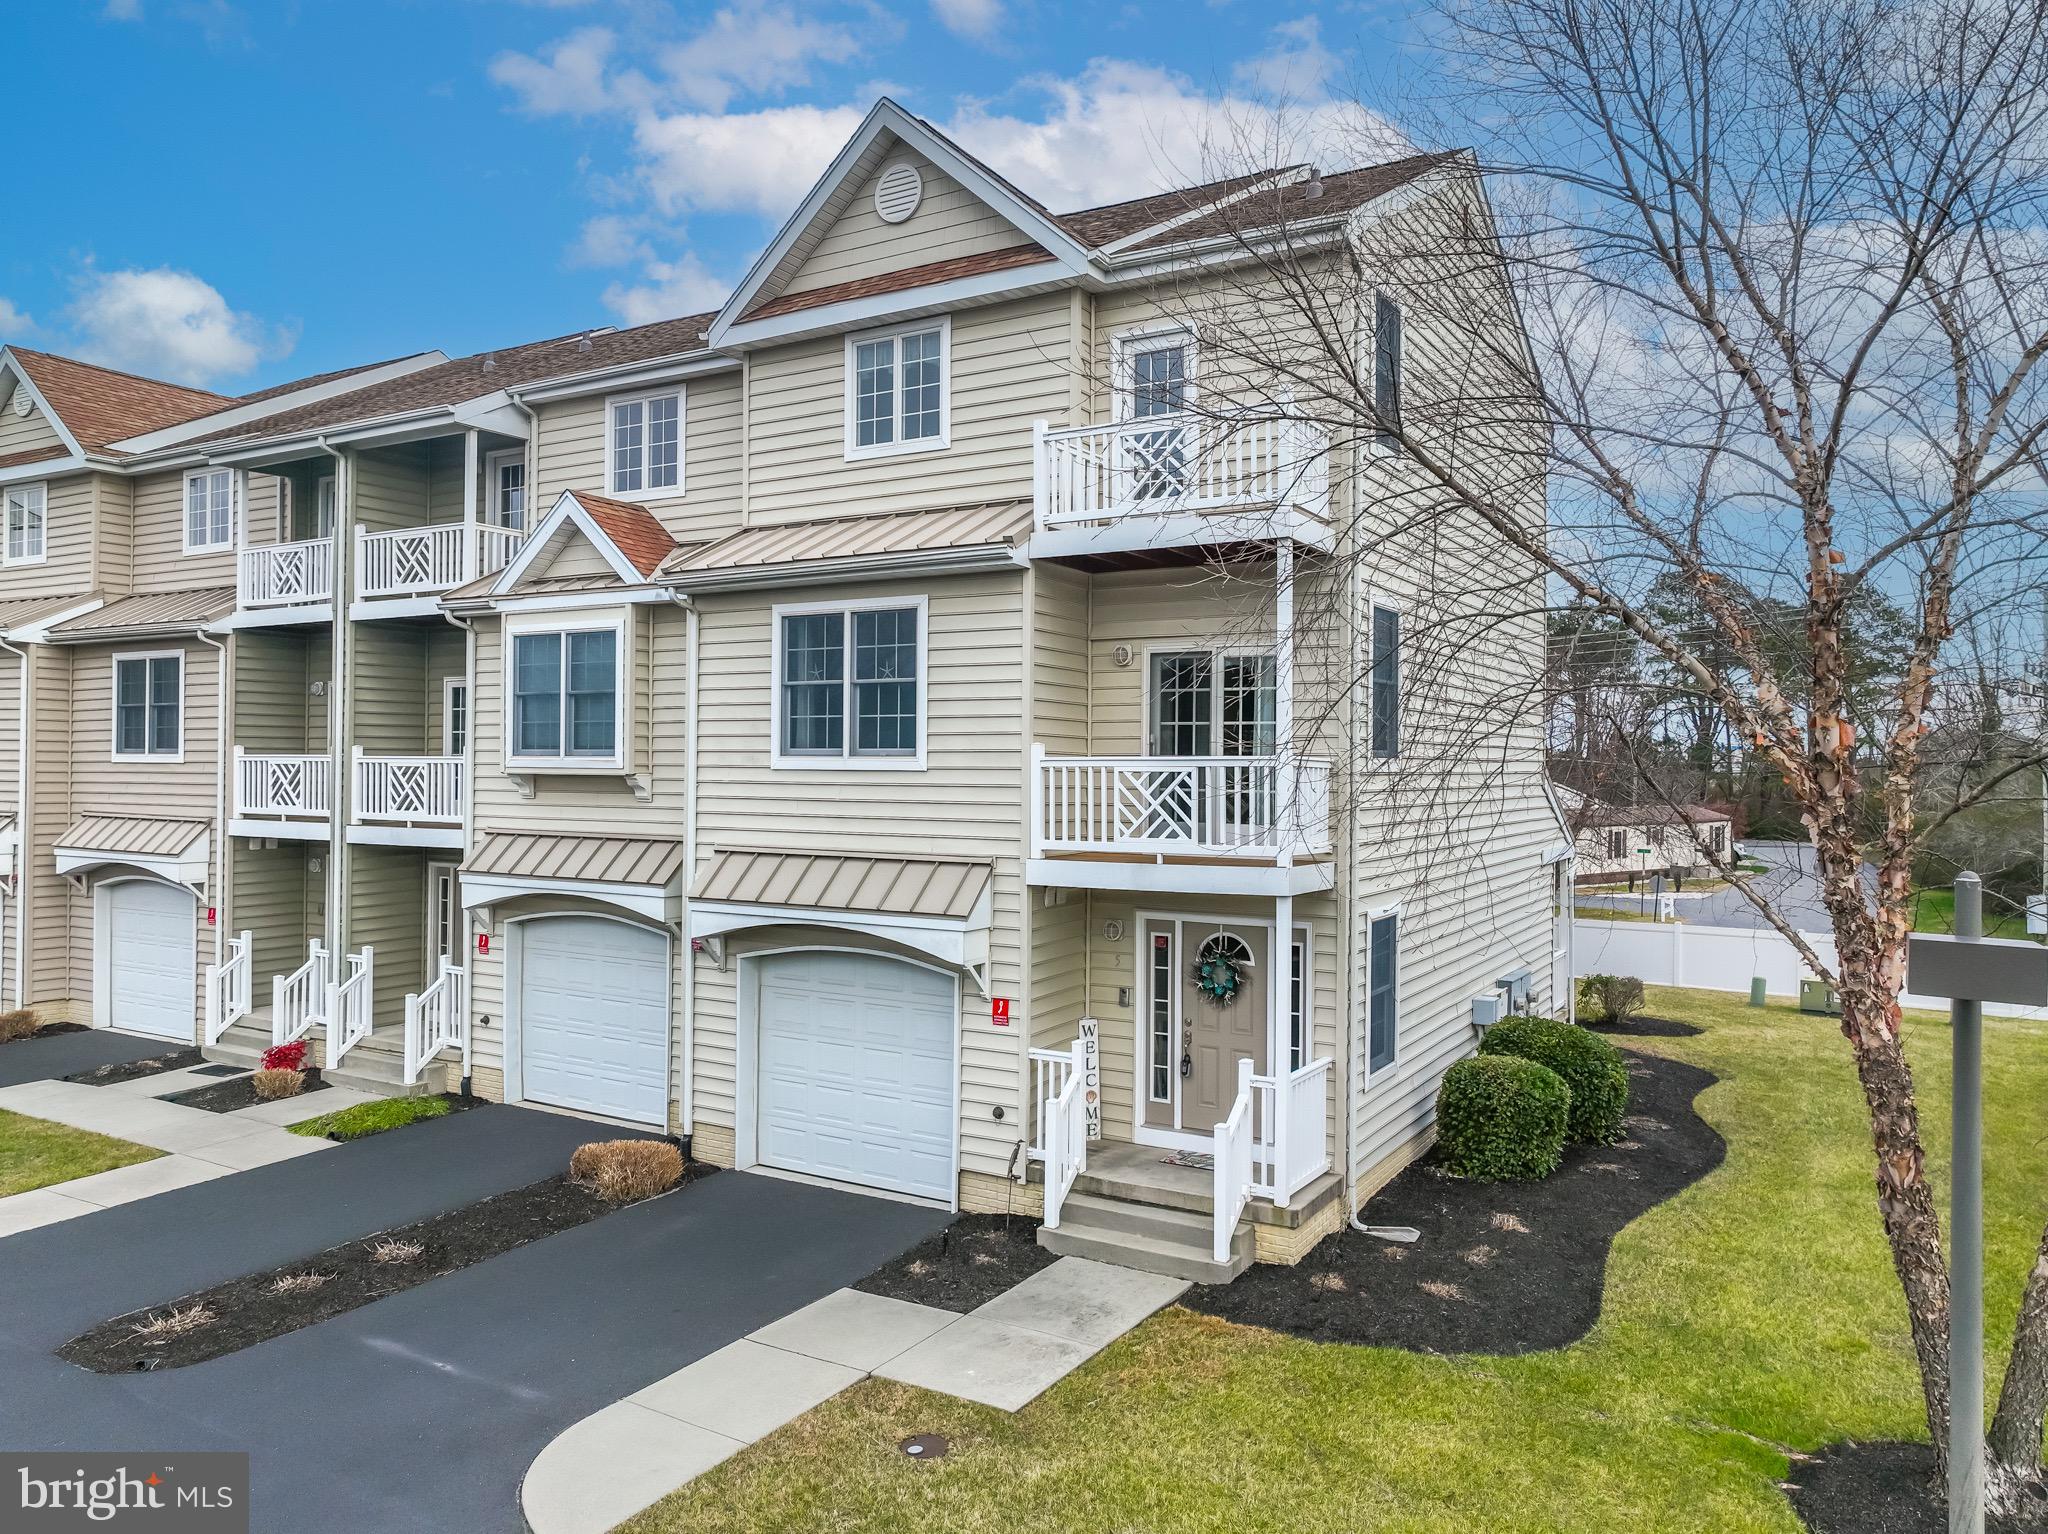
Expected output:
(149, 942)
(593, 1017)
(856, 1070)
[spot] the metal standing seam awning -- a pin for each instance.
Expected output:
(936, 906)
(638, 874)
(177, 850)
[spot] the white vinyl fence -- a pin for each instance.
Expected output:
(1715, 958)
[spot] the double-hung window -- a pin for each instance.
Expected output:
(896, 390)
(1383, 1011)
(27, 508)
(646, 446)
(849, 685)
(209, 510)
(1386, 683)
(565, 697)
(149, 695)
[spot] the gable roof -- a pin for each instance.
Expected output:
(633, 529)
(100, 406)
(1289, 200)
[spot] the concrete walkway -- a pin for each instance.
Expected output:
(198, 1145)
(634, 1452)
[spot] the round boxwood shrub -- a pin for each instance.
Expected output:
(1501, 1118)
(1590, 1066)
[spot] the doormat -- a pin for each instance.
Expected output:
(1200, 1161)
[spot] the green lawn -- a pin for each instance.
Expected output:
(1754, 1312)
(1934, 910)
(372, 1118)
(35, 1153)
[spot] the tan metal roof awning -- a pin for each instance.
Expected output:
(176, 850)
(937, 906)
(639, 874)
(954, 539)
(167, 612)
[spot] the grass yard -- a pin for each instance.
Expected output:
(372, 1118)
(1753, 1313)
(35, 1153)
(1934, 910)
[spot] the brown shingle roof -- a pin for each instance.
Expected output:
(31, 455)
(100, 405)
(1115, 221)
(909, 277)
(1268, 207)
(636, 531)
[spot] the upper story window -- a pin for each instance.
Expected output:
(505, 487)
(323, 506)
(896, 389)
(1205, 703)
(149, 697)
(1155, 374)
(646, 451)
(1386, 369)
(565, 696)
(1386, 682)
(209, 510)
(454, 716)
(849, 687)
(27, 509)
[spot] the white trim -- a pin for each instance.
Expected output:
(186, 869)
(311, 615)
(282, 830)
(896, 447)
(965, 560)
(64, 433)
(959, 942)
(563, 601)
(450, 685)
(103, 951)
(493, 462)
(567, 510)
(1125, 344)
(1153, 878)
(43, 468)
(619, 758)
(514, 1061)
(235, 497)
(458, 918)
(847, 760)
(1389, 912)
(114, 751)
(401, 836)
(42, 553)
(680, 394)
(275, 404)
(661, 904)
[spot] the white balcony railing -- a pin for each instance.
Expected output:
(1163, 464)
(437, 1018)
(294, 787)
(411, 790)
(418, 561)
(285, 574)
(1209, 806)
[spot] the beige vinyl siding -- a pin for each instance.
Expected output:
(32, 432)
(160, 562)
(569, 454)
(445, 654)
(388, 913)
(395, 687)
(11, 765)
(569, 553)
(68, 518)
(1061, 660)
(46, 894)
(1010, 364)
(275, 710)
(950, 221)
(390, 488)
(444, 461)
(280, 904)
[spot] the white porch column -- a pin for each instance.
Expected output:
(1280, 963)
(472, 535)
(1286, 773)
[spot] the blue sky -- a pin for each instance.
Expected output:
(249, 192)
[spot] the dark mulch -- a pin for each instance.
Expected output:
(134, 1070)
(1502, 1267)
(232, 1095)
(48, 1030)
(1648, 1028)
(1883, 1488)
(247, 1311)
(970, 1262)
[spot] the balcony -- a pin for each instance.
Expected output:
(282, 795)
(406, 801)
(1170, 481)
(272, 577)
(422, 562)
(1226, 824)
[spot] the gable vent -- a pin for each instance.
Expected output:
(24, 402)
(898, 192)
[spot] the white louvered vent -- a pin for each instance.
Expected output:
(23, 402)
(898, 192)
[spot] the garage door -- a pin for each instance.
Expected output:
(151, 981)
(593, 1017)
(856, 1070)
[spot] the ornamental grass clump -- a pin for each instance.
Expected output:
(1502, 1119)
(269, 1086)
(19, 1024)
(1590, 1066)
(620, 1171)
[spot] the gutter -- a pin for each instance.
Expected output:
(220, 787)
(693, 618)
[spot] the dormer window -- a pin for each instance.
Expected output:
(896, 390)
(646, 445)
(209, 510)
(27, 507)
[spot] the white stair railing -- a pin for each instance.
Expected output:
(1290, 1124)
(1065, 1118)
(348, 1012)
(227, 989)
(1050, 1069)
(436, 1018)
(1233, 1157)
(299, 1000)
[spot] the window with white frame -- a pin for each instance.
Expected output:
(149, 696)
(209, 510)
(646, 445)
(1383, 1011)
(27, 511)
(896, 389)
(1297, 1005)
(1386, 370)
(1386, 683)
(323, 506)
(505, 487)
(850, 684)
(564, 685)
(454, 716)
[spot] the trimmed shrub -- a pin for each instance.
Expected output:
(272, 1085)
(620, 1171)
(1501, 1119)
(1590, 1066)
(1610, 999)
(19, 1024)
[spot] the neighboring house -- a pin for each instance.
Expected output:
(1638, 841)
(837, 729)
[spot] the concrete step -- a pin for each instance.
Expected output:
(1149, 1237)
(369, 1067)
(1094, 1212)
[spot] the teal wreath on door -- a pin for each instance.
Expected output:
(1219, 973)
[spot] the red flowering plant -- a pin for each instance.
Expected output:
(285, 1057)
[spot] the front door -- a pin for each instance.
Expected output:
(1206, 1009)
(444, 919)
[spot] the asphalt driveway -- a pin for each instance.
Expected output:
(1790, 884)
(420, 1411)
(65, 1054)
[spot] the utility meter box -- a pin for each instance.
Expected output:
(1819, 996)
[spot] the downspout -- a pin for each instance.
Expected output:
(220, 786)
(692, 618)
(468, 826)
(20, 826)
(341, 787)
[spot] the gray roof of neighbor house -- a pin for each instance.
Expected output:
(585, 859)
(897, 886)
(140, 835)
(1593, 814)
(150, 614)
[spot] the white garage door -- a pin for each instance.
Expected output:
(856, 1078)
(593, 1017)
(150, 937)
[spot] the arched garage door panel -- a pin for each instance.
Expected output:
(856, 1070)
(593, 1017)
(152, 930)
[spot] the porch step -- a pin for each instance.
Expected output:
(1149, 1237)
(366, 1068)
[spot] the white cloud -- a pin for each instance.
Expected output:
(572, 80)
(169, 324)
(611, 239)
(123, 10)
(753, 48)
(976, 20)
(15, 322)
(684, 286)
(1296, 68)
(746, 162)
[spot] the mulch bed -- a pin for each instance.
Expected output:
(48, 1030)
(135, 1070)
(1502, 1267)
(970, 1262)
(247, 1310)
(1883, 1488)
(232, 1095)
(1648, 1028)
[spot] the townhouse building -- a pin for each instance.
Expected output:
(900, 728)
